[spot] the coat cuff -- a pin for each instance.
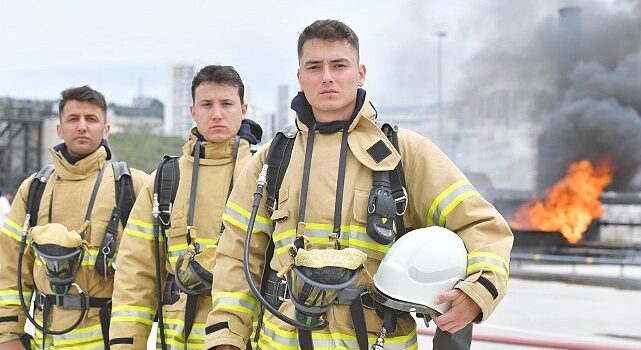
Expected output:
(480, 294)
(232, 332)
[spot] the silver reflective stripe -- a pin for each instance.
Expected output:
(449, 199)
(10, 297)
(229, 302)
(500, 265)
(12, 230)
(262, 227)
(132, 314)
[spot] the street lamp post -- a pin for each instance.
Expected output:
(441, 136)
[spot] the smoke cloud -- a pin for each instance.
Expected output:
(584, 75)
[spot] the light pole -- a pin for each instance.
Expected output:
(441, 136)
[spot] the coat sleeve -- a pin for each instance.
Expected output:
(134, 297)
(12, 318)
(234, 306)
(441, 195)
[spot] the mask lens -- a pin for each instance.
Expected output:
(61, 263)
(194, 279)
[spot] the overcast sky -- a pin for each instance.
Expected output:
(46, 46)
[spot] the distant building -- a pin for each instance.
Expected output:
(178, 120)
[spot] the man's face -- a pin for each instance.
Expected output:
(82, 126)
(329, 74)
(217, 111)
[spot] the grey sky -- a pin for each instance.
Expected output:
(46, 46)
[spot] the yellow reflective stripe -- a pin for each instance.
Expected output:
(478, 260)
(207, 241)
(12, 229)
(443, 198)
(472, 255)
(463, 196)
(9, 297)
(439, 198)
(236, 302)
(478, 266)
(176, 327)
(79, 335)
(132, 313)
(273, 336)
(242, 211)
(282, 240)
(140, 229)
(141, 223)
(177, 247)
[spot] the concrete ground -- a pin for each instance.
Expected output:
(556, 315)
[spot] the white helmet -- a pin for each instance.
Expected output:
(421, 265)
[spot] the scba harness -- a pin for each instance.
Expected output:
(189, 276)
(61, 261)
(386, 207)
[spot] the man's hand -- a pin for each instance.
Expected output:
(224, 347)
(12, 345)
(463, 311)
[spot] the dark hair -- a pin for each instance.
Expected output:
(328, 29)
(220, 75)
(83, 94)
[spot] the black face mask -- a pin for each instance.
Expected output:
(313, 290)
(194, 279)
(61, 264)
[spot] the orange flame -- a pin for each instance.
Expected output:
(571, 204)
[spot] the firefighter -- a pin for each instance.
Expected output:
(73, 227)
(187, 224)
(328, 199)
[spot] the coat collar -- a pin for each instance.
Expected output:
(213, 153)
(363, 131)
(82, 168)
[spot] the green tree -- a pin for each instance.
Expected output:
(142, 150)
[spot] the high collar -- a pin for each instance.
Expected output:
(306, 114)
(306, 119)
(81, 168)
(62, 148)
(212, 153)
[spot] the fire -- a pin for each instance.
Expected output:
(571, 204)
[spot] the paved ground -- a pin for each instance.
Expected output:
(572, 316)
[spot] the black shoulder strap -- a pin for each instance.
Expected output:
(397, 178)
(35, 192)
(125, 196)
(280, 152)
(166, 185)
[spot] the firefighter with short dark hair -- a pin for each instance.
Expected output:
(67, 244)
(324, 228)
(181, 239)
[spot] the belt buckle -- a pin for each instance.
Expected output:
(282, 292)
(40, 300)
(403, 201)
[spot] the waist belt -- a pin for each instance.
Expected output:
(69, 301)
